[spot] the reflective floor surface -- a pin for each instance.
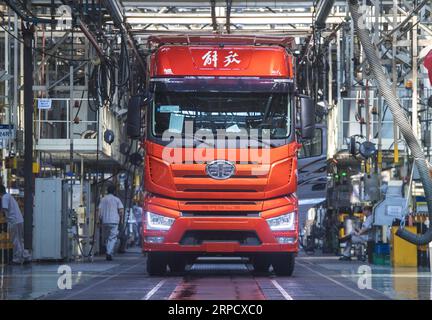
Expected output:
(315, 277)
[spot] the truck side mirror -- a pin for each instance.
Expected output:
(134, 116)
(307, 121)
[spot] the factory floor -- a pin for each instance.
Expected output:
(315, 277)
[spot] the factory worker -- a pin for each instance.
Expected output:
(138, 212)
(15, 222)
(110, 211)
(358, 236)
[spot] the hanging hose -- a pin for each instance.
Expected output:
(401, 119)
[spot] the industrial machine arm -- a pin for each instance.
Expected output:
(401, 119)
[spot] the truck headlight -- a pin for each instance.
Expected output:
(285, 222)
(158, 222)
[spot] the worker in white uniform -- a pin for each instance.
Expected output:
(138, 212)
(358, 236)
(15, 222)
(110, 211)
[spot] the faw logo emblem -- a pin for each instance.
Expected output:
(211, 58)
(220, 169)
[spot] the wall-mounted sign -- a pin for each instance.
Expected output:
(44, 104)
(7, 132)
(395, 211)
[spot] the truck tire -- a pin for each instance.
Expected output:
(156, 264)
(261, 264)
(177, 264)
(283, 264)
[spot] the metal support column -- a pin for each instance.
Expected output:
(331, 120)
(340, 79)
(28, 135)
(16, 100)
(415, 122)
(7, 109)
(394, 80)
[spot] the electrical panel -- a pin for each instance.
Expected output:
(62, 221)
(393, 207)
(49, 221)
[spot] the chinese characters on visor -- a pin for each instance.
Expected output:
(211, 58)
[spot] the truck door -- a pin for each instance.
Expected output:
(312, 172)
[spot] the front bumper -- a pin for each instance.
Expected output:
(268, 239)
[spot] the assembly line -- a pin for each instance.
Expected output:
(215, 150)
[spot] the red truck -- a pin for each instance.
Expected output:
(221, 151)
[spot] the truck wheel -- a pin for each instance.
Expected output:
(261, 264)
(283, 264)
(177, 265)
(156, 264)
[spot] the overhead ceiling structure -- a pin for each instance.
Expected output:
(143, 17)
(254, 17)
(138, 19)
(244, 16)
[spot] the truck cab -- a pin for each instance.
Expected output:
(221, 152)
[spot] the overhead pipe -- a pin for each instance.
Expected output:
(323, 11)
(228, 15)
(92, 39)
(401, 119)
(213, 15)
(115, 10)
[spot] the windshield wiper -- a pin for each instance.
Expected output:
(267, 110)
(260, 140)
(196, 139)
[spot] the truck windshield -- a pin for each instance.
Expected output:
(267, 112)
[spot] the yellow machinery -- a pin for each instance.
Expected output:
(6, 246)
(403, 253)
(357, 220)
(343, 216)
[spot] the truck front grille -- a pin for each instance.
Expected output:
(220, 214)
(220, 190)
(197, 237)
